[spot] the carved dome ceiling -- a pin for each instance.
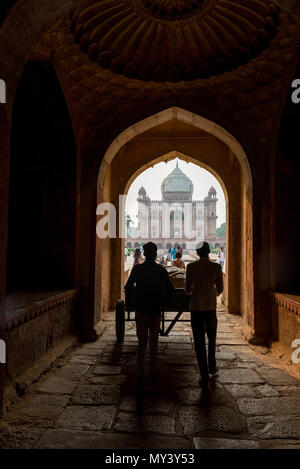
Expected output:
(173, 40)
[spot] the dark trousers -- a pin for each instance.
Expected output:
(147, 328)
(205, 321)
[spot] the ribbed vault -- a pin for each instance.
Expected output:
(173, 40)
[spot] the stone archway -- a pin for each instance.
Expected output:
(243, 273)
(29, 21)
(189, 159)
(183, 116)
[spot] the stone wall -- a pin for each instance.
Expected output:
(33, 331)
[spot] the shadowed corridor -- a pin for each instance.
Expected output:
(88, 399)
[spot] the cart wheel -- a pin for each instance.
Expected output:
(120, 321)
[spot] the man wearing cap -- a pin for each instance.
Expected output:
(149, 280)
(204, 281)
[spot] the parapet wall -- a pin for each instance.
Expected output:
(35, 335)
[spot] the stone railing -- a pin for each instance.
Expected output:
(20, 315)
(35, 324)
(286, 317)
(289, 302)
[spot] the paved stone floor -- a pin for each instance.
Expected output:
(87, 400)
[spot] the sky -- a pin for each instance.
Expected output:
(152, 178)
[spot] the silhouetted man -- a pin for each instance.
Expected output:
(149, 279)
(204, 280)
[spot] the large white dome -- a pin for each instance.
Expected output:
(177, 181)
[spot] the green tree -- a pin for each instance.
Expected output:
(221, 231)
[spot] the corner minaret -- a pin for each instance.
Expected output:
(143, 204)
(210, 207)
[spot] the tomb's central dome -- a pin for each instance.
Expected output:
(177, 181)
(172, 8)
(173, 40)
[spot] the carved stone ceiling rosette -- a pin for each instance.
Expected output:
(173, 40)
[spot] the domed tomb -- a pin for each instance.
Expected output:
(177, 186)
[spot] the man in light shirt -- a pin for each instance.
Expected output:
(222, 258)
(204, 281)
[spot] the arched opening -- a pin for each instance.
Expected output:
(41, 261)
(174, 201)
(159, 138)
(42, 204)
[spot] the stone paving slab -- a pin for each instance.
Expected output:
(270, 406)
(132, 348)
(280, 444)
(267, 391)
(175, 339)
(244, 364)
(54, 385)
(87, 418)
(228, 340)
(247, 358)
(239, 350)
(107, 379)
(112, 359)
(174, 368)
(19, 437)
(136, 423)
(272, 427)
(241, 390)
(179, 347)
(97, 345)
(83, 360)
(84, 351)
(218, 418)
(277, 377)
(179, 333)
(225, 328)
(70, 439)
(130, 338)
(183, 379)
(224, 443)
(156, 403)
(224, 364)
(71, 372)
(239, 376)
(107, 370)
(181, 354)
(288, 390)
(176, 359)
(96, 394)
(230, 356)
(196, 396)
(40, 410)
